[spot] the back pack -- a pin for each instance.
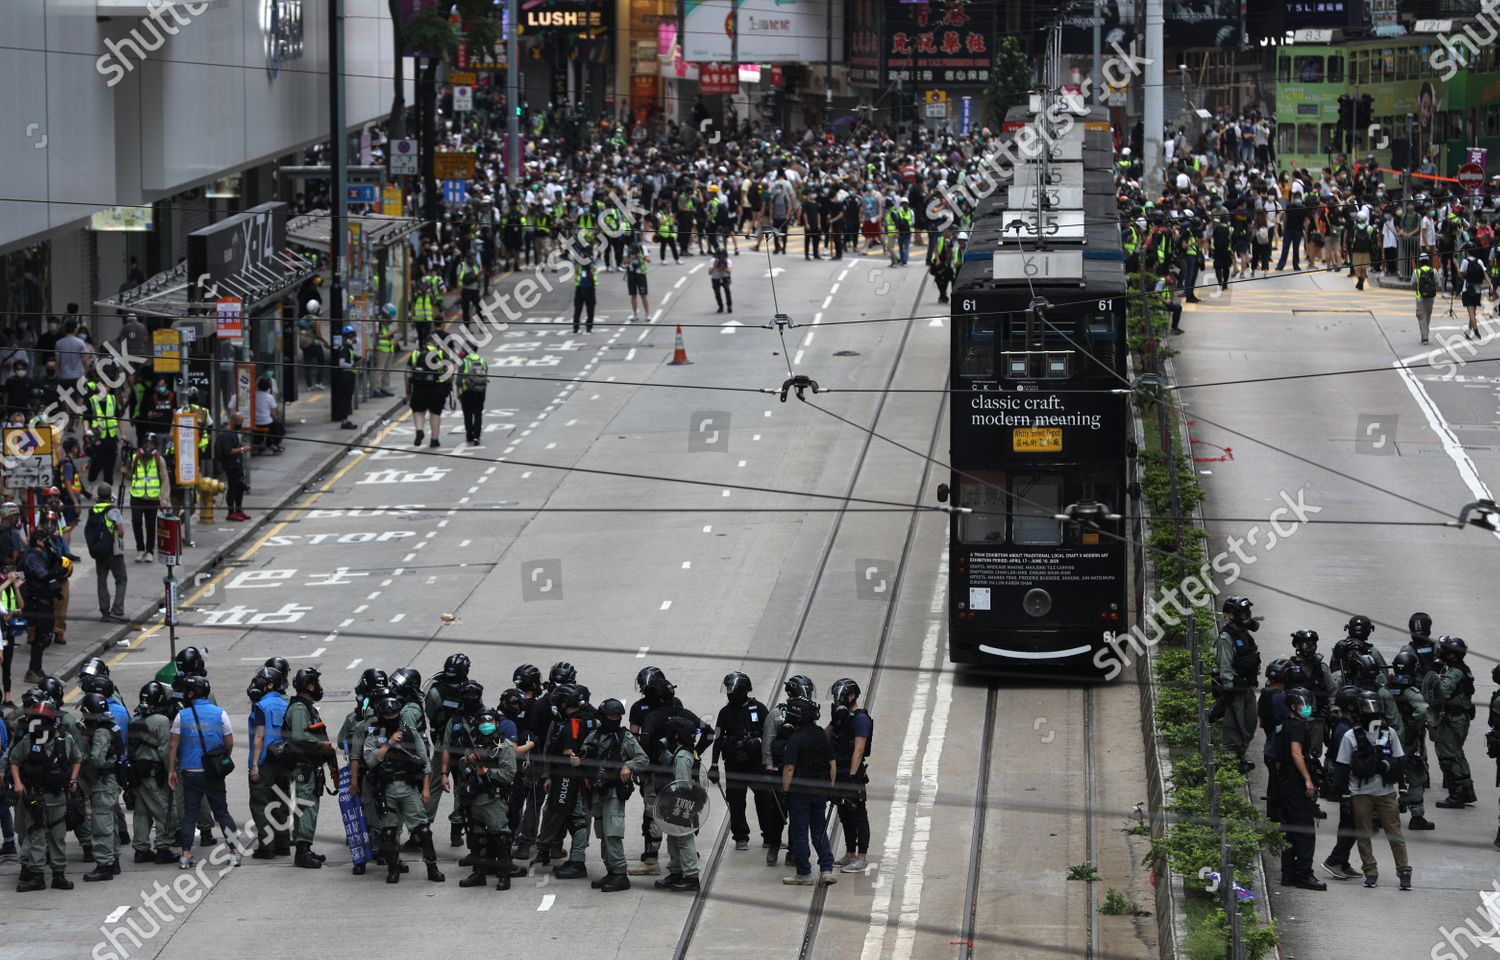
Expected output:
(1362, 239)
(1473, 272)
(97, 535)
(1366, 761)
(1427, 283)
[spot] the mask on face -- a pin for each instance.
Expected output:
(488, 729)
(1304, 711)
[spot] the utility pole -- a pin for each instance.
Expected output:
(338, 182)
(828, 71)
(734, 59)
(1151, 139)
(513, 97)
(1095, 73)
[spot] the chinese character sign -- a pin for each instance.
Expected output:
(945, 42)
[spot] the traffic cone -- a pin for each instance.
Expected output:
(679, 353)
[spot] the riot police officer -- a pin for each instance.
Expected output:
(614, 760)
(442, 702)
(1271, 712)
(1296, 793)
(1370, 677)
(312, 751)
(1358, 631)
(267, 772)
(43, 766)
(1318, 680)
(1406, 678)
(1451, 697)
(658, 699)
(147, 739)
(458, 739)
(351, 740)
(396, 755)
(741, 726)
(778, 732)
(1492, 735)
(682, 851)
(532, 721)
(567, 808)
(1422, 645)
(1236, 673)
(489, 764)
(100, 751)
(853, 732)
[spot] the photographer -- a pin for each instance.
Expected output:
(852, 731)
(1369, 761)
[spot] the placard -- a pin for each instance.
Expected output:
(244, 392)
(185, 428)
(453, 165)
(166, 345)
(229, 319)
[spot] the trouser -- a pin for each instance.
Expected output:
(107, 567)
(469, 298)
(1452, 731)
(1424, 315)
(1414, 772)
(1298, 814)
(153, 808)
(942, 276)
(810, 242)
(1366, 810)
(1239, 721)
(685, 231)
(1291, 243)
(1222, 265)
(488, 813)
(1189, 268)
(779, 244)
(583, 299)
(903, 245)
(104, 795)
(472, 404)
(609, 821)
(102, 460)
(39, 625)
(268, 806)
(650, 831)
(809, 816)
(383, 370)
(662, 244)
(570, 817)
(1260, 256)
(143, 522)
(205, 820)
(400, 807)
(234, 497)
(521, 812)
(1175, 309)
(342, 406)
(722, 296)
(682, 857)
(313, 362)
(7, 822)
(5, 662)
(768, 813)
(307, 788)
(435, 793)
(197, 787)
(1345, 842)
(39, 824)
(614, 252)
(853, 816)
(836, 243)
(1317, 730)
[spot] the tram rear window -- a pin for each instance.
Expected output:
(1034, 513)
(979, 348)
(983, 492)
(1022, 509)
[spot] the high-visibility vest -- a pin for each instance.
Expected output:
(579, 275)
(104, 507)
(1420, 271)
(666, 226)
(385, 341)
(472, 375)
(465, 272)
(74, 484)
(895, 216)
(427, 363)
(421, 308)
(1132, 239)
(145, 481)
(105, 412)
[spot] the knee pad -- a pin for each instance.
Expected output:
(423, 834)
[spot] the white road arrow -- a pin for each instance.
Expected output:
(729, 325)
(775, 272)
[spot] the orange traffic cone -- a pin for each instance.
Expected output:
(679, 353)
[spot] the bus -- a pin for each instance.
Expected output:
(1040, 427)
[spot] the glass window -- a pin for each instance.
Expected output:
(1283, 69)
(984, 493)
(1335, 69)
(1286, 137)
(1327, 140)
(1310, 69)
(1307, 138)
(979, 348)
(1037, 501)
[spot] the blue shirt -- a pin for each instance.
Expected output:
(267, 712)
(508, 729)
(858, 725)
(210, 723)
(122, 719)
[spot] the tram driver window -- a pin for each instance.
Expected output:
(984, 495)
(1034, 511)
(979, 348)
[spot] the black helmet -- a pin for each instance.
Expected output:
(1420, 625)
(34, 699)
(1366, 670)
(800, 686)
(644, 676)
(457, 666)
(53, 688)
(737, 685)
(611, 708)
(1237, 608)
(280, 664)
(406, 683)
(802, 712)
(368, 681)
(1359, 627)
(1369, 706)
(386, 705)
(1452, 648)
(190, 662)
(1294, 675)
(97, 683)
(658, 690)
(568, 695)
(1495, 673)
(1348, 696)
(308, 677)
(193, 687)
(527, 677)
(490, 716)
(93, 666)
(842, 690)
(682, 731)
(265, 680)
(511, 702)
(1406, 669)
(154, 697)
(1276, 671)
(93, 705)
(1305, 641)
(471, 692)
(562, 672)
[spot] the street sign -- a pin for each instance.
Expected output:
(463, 99)
(938, 110)
(229, 319)
(965, 115)
(1471, 175)
(455, 191)
(454, 165)
(28, 441)
(21, 472)
(244, 390)
(185, 443)
(935, 96)
(391, 205)
(360, 193)
(465, 78)
(166, 345)
(404, 158)
(169, 539)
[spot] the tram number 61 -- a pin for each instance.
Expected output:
(968, 306)
(1106, 306)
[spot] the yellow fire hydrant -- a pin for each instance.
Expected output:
(207, 487)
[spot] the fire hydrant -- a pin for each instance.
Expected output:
(207, 487)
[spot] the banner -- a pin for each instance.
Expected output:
(1116, 20)
(356, 831)
(940, 42)
(1202, 23)
(770, 31)
(717, 78)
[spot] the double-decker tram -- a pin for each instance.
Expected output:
(1040, 417)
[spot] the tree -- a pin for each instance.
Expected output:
(1010, 78)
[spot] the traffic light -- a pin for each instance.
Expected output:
(1346, 111)
(771, 109)
(1364, 113)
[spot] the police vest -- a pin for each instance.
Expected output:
(105, 412)
(145, 481)
(385, 341)
(426, 363)
(46, 766)
(272, 710)
(1246, 657)
(472, 376)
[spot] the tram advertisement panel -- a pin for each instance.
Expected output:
(1012, 426)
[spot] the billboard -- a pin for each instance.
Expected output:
(244, 245)
(1116, 20)
(940, 42)
(770, 31)
(1202, 23)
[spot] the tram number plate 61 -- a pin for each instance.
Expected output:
(1037, 440)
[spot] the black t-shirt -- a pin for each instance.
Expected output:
(808, 753)
(738, 724)
(1294, 730)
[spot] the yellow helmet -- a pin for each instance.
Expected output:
(67, 567)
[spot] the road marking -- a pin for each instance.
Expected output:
(570, 423)
(464, 543)
(430, 534)
(526, 475)
(755, 437)
(419, 545)
(743, 462)
(630, 354)
(362, 608)
(768, 413)
(666, 604)
(665, 297)
(687, 564)
(726, 493)
(833, 289)
(698, 267)
(474, 489)
(444, 523)
(655, 316)
(551, 446)
(827, 300)
(547, 902)
(484, 478)
(409, 558)
(681, 281)
(373, 595)
(331, 637)
(346, 623)
(708, 529)
(843, 273)
(797, 360)
(398, 618)
(1467, 472)
(644, 335)
(489, 471)
(116, 914)
(354, 663)
(463, 499)
(807, 340)
(641, 653)
(818, 318)
(386, 582)
(398, 571)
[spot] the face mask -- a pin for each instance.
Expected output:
(1304, 711)
(162, 389)
(487, 729)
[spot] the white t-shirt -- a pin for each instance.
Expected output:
(1375, 786)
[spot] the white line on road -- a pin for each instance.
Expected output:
(665, 297)
(817, 318)
(1467, 472)
(655, 316)
(755, 437)
(726, 493)
(807, 340)
(373, 595)
(464, 543)
(571, 422)
(489, 471)
(362, 608)
(687, 564)
(641, 653)
(833, 289)
(797, 360)
(630, 354)
(398, 618)
(444, 523)
(463, 499)
(551, 446)
(119, 912)
(346, 623)
(827, 300)
(526, 475)
(409, 558)
(644, 335)
(419, 545)
(680, 282)
(743, 462)
(547, 902)
(698, 267)
(354, 663)
(385, 583)
(708, 529)
(474, 489)
(431, 534)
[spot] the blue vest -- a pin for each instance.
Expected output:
(210, 719)
(267, 712)
(121, 714)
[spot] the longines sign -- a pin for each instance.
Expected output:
(281, 32)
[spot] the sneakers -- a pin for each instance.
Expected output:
(845, 859)
(420, 437)
(857, 865)
(1371, 880)
(1339, 871)
(773, 852)
(828, 879)
(799, 880)
(742, 844)
(186, 862)
(1406, 879)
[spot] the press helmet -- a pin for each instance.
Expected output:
(844, 690)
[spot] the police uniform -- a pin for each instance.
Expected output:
(441, 704)
(48, 765)
(488, 785)
(566, 808)
(1413, 733)
(642, 723)
(268, 714)
(398, 777)
(1295, 809)
(739, 743)
(147, 743)
(682, 852)
(1492, 742)
(307, 739)
(606, 751)
(1453, 703)
(459, 738)
(1237, 667)
(351, 740)
(525, 795)
(472, 380)
(103, 788)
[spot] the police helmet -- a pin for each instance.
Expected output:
(737, 684)
(682, 731)
(1366, 669)
(190, 662)
(611, 708)
(97, 683)
(1452, 648)
(644, 676)
(1406, 669)
(35, 703)
(562, 672)
(194, 687)
(1305, 641)
(1237, 608)
(488, 718)
(265, 680)
(583, 692)
(1294, 675)
(844, 690)
(93, 666)
(566, 696)
(1420, 625)
(471, 690)
(527, 677)
(1276, 671)
(406, 683)
(658, 690)
(387, 705)
(511, 702)
(800, 686)
(1495, 673)
(53, 688)
(154, 696)
(1359, 627)
(280, 664)
(457, 666)
(309, 677)
(802, 712)
(369, 680)
(1347, 696)
(93, 705)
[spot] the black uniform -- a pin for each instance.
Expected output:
(1298, 811)
(739, 743)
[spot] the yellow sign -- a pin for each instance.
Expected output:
(1036, 440)
(935, 96)
(28, 441)
(168, 350)
(462, 78)
(391, 202)
(1096, 126)
(453, 165)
